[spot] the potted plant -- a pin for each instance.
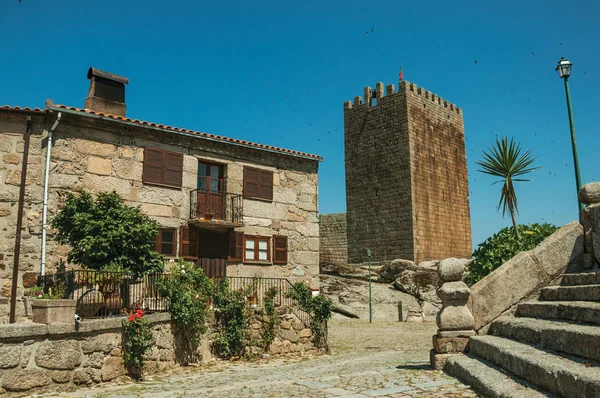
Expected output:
(253, 292)
(50, 306)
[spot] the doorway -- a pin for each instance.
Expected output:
(211, 191)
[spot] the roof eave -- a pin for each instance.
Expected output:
(183, 133)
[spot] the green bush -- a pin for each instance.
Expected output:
(502, 246)
(232, 321)
(106, 235)
(319, 307)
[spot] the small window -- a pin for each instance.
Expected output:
(280, 249)
(257, 248)
(258, 184)
(166, 242)
(162, 167)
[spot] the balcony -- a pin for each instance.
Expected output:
(214, 207)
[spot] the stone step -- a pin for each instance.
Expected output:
(488, 380)
(583, 278)
(570, 338)
(561, 375)
(576, 311)
(571, 293)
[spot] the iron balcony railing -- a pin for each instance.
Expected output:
(216, 206)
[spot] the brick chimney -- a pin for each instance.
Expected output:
(107, 92)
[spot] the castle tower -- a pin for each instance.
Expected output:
(407, 190)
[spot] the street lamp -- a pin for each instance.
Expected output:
(564, 71)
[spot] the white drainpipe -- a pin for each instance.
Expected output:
(45, 205)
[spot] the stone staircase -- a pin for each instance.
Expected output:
(550, 348)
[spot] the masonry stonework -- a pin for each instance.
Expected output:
(406, 176)
(333, 239)
(101, 155)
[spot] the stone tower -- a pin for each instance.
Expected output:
(407, 191)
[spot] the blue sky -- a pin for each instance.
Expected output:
(278, 72)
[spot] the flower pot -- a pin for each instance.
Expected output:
(113, 303)
(208, 216)
(252, 300)
(53, 311)
(135, 372)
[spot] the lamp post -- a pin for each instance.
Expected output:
(564, 71)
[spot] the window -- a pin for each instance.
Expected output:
(258, 184)
(257, 248)
(162, 167)
(280, 249)
(166, 242)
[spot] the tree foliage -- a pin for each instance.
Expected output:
(106, 235)
(504, 245)
(505, 161)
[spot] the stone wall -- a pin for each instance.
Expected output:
(406, 176)
(37, 358)
(101, 155)
(333, 242)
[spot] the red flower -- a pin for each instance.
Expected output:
(138, 315)
(131, 318)
(140, 312)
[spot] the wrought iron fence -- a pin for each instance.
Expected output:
(216, 205)
(102, 294)
(256, 288)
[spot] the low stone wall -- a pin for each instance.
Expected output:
(333, 242)
(525, 274)
(40, 358)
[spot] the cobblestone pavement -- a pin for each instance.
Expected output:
(379, 360)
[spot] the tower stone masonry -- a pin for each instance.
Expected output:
(407, 190)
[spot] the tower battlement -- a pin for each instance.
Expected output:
(407, 193)
(404, 86)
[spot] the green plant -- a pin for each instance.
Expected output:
(504, 245)
(319, 307)
(231, 316)
(54, 292)
(504, 160)
(106, 235)
(189, 291)
(137, 340)
(272, 319)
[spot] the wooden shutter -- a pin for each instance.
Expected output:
(251, 182)
(188, 243)
(236, 246)
(280, 252)
(173, 168)
(266, 185)
(152, 166)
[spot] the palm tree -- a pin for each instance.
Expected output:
(504, 160)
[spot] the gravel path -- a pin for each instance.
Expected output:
(386, 359)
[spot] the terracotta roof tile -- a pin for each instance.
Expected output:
(197, 133)
(18, 108)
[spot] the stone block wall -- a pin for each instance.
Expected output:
(37, 358)
(333, 239)
(101, 155)
(406, 176)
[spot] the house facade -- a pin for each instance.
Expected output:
(234, 207)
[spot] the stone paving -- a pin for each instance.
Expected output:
(380, 360)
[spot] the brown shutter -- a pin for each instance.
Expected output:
(280, 249)
(188, 243)
(152, 166)
(251, 182)
(236, 246)
(266, 185)
(173, 171)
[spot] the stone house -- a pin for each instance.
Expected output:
(234, 207)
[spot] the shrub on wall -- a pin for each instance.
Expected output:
(137, 341)
(189, 292)
(504, 245)
(319, 307)
(106, 235)
(231, 321)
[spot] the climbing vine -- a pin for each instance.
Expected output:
(319, 307)
(272, 319)
(231, 321)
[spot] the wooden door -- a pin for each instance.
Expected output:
(210, 191)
